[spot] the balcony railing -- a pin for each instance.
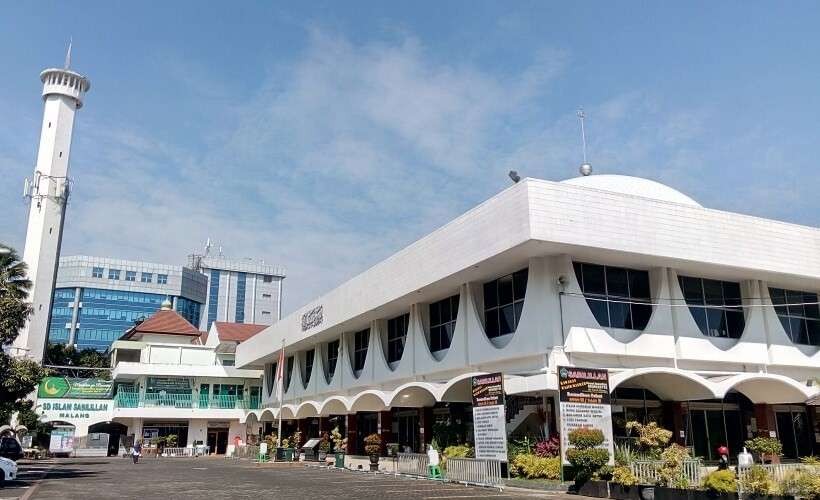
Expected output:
(202, 401)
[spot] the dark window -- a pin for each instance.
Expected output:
(332, 356)
(799, 314)
(443, 316)
(241, 279)
(213, 296)
(146, 277)
(715, 306)
(97, 272)
(396, 335)
(162, 279)
(503, 303)
(309, 355)
(113, 274)
(288, 372)
(617, 297)
(360, 340)
(130, 276)
(267, 278)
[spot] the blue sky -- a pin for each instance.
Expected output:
(323, 136)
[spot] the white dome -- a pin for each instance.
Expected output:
(635, 186)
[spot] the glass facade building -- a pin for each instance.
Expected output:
(97, 299)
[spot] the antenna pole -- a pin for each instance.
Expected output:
(581, 117)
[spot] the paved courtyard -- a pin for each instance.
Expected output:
(219, 478)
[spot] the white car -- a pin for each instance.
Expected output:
(8, 469)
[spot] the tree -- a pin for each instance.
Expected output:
(18, 376)
(68, 356)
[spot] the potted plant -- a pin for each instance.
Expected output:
(721, 484)
(803, 483)
(651, 438)
(587, 459)
(757, 483)
(673, 481)
(339, 446)
(295, 443)
(373, 448)
(324, 447)
(768, 449)
(624, 484)
(284, 452)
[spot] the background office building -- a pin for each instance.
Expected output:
(96, 299)
(239, 290)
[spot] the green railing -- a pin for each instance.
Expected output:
(127, 399)
(203, 401)
(154, 400)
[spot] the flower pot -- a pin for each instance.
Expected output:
(594, 488)
(374, 462)
(340, 459)
(621, 492)
(646, 492)
(322, 455)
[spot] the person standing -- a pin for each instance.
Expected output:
(136, 451)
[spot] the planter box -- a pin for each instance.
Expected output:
(646, 492)
(755, 496)
(621, 492)
(594, 488)
(662, 493)
(340, 460)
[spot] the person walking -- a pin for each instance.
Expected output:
(136, 451)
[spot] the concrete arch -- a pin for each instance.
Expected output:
(414, 395)
(370, 400)
(267, 415)
(307, 409)
(458, 389)
(767, 388)
(670, 384)
(250, 418)
(335, 405)
(288, 412)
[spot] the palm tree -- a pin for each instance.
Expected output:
(14, 289)
(13, 281)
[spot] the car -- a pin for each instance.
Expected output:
(10, 448)
(8, 470)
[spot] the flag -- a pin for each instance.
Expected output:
(280, 375)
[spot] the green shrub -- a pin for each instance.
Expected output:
(764, 446)
(803, 483)
(624, 454)
(373, 444)
(534, 467)
(757, 481)
(811, 460)
(671, 471)
(651, 437)
(721, 481)
(623, 475)
(586, 437)
(456, 451)
(584, 456)
(604, 473)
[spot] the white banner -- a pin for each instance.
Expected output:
(575, 415)
(490, 431)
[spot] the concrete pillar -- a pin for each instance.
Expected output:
(673, 420)
(350, 425)
(385, 429)
(75, 313)
(425, 428)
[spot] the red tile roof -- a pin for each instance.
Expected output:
(165, 322)
(238, 332)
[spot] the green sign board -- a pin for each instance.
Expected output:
(80, 388)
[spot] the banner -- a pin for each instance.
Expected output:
(489, 417)
(584, 402)
(171, 385)
(62, 440)
(75, 388)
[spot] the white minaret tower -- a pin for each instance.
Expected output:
(63, 91)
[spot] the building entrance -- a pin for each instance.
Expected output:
(408, 435)
(218, 440)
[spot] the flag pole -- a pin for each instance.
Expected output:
(280, 390)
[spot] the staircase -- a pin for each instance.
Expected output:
(518, 408)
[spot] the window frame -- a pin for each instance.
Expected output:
(493, 329)
(361, 339)
(333, 359)
(97, 272)
(131, 276)
(619, 302)
(146, 277)
(443, 329)
(396, 336)
(114, 274)
(790, 315)
(706, 308)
